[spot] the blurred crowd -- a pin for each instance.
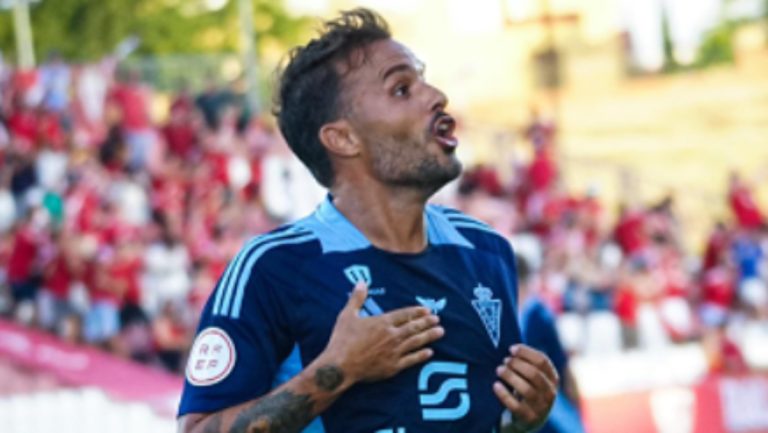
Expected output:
(629, 283)
(114, 226)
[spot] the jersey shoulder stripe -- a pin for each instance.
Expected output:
(231, 288)
(462, 220)
(463, 224)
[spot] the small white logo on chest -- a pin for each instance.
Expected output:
(434, 305)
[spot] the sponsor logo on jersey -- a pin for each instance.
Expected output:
(212, 357)
(489, 310)
(451, 379)
(377, 291)
(434, 305)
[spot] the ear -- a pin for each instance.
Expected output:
(340, 139)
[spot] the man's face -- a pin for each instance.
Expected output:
(407, 136)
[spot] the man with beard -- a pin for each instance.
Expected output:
(404, 313)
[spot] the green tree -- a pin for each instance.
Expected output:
(88, 29)
(717, 47)
(670, 63)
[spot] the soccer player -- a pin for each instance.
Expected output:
(404, 313)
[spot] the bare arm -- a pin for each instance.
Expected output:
(360, 350)
(288, 408)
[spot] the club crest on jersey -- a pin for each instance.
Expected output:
(434, 305)
(489, 310)
(358, 273)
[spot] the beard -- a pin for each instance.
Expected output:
(406, 163)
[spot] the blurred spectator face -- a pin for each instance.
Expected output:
(228, 117)
(177, 115)
(5, 139)
(7, 210)
(54, 57)
(134, 77)
(182, 87)
(211, 84)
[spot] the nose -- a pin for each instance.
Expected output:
(438, 100)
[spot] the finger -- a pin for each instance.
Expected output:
(538, 359)
(403, 315)
(421, 339)
(532, 375)
(521, 388)
(520, 410)
(414, 358)
(419, 325)
(357, 298)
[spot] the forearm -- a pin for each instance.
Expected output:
(287, 409)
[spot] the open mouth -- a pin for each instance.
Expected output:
(442, 130)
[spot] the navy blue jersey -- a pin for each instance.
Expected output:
(286, 288)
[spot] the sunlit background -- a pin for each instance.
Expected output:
(605, 138)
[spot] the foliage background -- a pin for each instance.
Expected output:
(85, 30)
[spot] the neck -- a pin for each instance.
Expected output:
(391, 219)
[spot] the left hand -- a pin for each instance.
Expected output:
(528, 386)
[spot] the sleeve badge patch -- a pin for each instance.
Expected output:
(211, 359)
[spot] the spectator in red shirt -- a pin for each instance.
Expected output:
(170, 189)
(743, 205)
(49, 132)
(589, 212)
(180, 135)
(630, 231)
(60, 275)
(540, 131)
(625, 307)
(125, 268)
(483, 177)
(23, 263)
(171, 335)
(102, 321)
(130, 99)
(718, 291)
(724, 356)
(542, 172)
(717, 246)
(183, 101)
(23, 127)
(134, 340)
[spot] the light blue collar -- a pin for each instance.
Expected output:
(337, 234)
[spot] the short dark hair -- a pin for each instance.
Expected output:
(309, 86)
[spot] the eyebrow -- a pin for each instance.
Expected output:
(402, 67)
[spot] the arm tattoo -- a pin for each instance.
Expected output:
(328, 378)
(214, 424)
(284, 412)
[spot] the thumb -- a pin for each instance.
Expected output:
(357, 298)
